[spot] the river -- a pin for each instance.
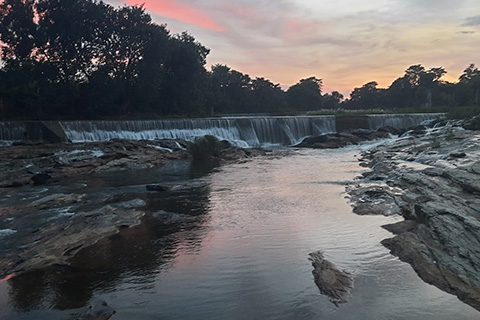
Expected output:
(238, 251)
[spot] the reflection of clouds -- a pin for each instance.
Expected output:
(135, 254)
(345, 42)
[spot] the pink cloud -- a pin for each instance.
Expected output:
(247, 16)
(181, 12)
(296, 26)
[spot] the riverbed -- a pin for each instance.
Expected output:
(236, 247)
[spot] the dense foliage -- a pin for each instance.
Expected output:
(87, 59)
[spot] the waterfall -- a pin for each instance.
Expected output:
(399, 121)
(240, 131)
(12, 131)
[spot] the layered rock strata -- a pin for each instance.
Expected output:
(432, 179)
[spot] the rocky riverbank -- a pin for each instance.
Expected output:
(431, 177)
(48, 211)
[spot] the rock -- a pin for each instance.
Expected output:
(172, 217)
(55, 244)
(172, 144)
(331, 281)
(392, 130)
(472, 124)
(55, 200)
(41, 178)
(458, 154)
(132, 204)
(96, 310)
(401, 227)
(420, 129)
(157, 187)
(440, 237)
(342, 139)
(15, 182)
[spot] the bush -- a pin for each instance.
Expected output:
(206, 147)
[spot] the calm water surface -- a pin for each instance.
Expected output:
(238, 250)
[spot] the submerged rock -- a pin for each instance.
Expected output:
(96, 310)
(332, 282)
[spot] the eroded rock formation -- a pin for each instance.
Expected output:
(432, 179)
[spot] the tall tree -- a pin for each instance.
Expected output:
(266, 97)
(231, 89)
(332, 100)
(365, 97)
(469, 84)
(306, 94)
(186, 76)
(18, 32)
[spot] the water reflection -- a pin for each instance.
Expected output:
(234, 245)
(175, 221)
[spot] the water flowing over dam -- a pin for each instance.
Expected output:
(241, 131)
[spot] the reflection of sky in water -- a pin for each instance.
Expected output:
(243, 253)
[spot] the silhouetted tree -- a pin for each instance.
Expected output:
(332, 100)
(231, 89)
(365, 97)
(306, 94)
(265, 97)
(469, 86)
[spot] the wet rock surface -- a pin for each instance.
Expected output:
(96, 310)
(342, 139)
(432, 178)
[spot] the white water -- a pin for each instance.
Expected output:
(399, 121)
(242, 132)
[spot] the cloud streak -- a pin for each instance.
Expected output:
(345, 42)
(183, 12)
(472, 21)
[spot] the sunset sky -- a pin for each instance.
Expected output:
(345, 42)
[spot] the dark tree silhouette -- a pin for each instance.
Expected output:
(306, 94)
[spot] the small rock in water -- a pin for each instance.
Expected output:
(332, 282)
(96, 310)
(458, 155)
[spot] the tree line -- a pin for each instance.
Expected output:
(418, 88)
(85, 59)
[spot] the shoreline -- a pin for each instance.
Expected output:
(432, 179)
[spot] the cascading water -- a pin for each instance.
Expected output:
(12, 131)
(399, 121)
(242, 132)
